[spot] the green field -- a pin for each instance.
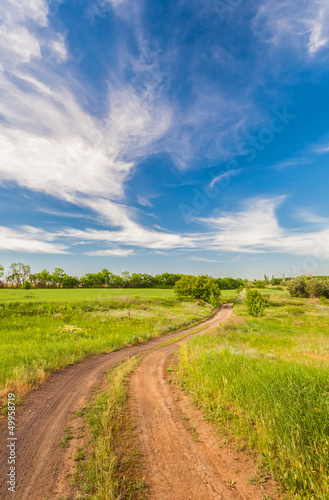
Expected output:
(265, 383)
(44, 330)
(77, 294)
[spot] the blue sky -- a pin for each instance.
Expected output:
(184, 136)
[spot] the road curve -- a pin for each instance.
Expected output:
(180, 452)
(45, 413)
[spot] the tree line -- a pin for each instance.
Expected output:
(19, 275)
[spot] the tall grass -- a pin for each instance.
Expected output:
(268, 393)
(99, 477)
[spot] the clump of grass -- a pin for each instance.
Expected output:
(270, 398)
(67, 437)
(100, 475)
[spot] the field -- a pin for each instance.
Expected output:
(44, 330)
(265, 383)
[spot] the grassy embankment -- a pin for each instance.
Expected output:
(45, 330)
(265, 383)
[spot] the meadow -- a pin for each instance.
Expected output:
(42, 331)
(265, 383)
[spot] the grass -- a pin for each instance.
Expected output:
(44, 330)
(265, 382)
(66, 438)
(78, 294)
(102, 474)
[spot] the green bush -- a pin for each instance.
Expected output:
(255, 303)
(317, 288)
(26, 285)
(301, 287)
(198, 288)
(297, 288)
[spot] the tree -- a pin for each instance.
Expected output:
(108, 277)
(69, 281)
(2, 270)
(198, 287)
(57, 276)
(42, 279)
(255, 303)
(26, 285)
(297, 287)
(126, 278)
(18, 273)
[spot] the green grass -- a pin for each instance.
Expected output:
(266, 382)
(77, 294)
(102, 474)
(46, 330)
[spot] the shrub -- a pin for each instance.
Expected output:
(317, 288)
(297, 288)
(26, 285)
(241, 295)
(255, 303)
(300, 287)
(199, 288)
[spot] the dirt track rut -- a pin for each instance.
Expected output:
(182, 457)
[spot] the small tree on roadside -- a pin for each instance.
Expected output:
(255, 303)
(198, 288)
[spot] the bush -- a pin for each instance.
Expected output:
(198, 288)
(26, 285)
(255, 303)
(300, 287)
(317, 288)
(297, 288)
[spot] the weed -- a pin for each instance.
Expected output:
(67, 436)
(80, 454)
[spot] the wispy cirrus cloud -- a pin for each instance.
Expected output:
(49, 142)
(116, 252)
(256, 229)
(303, 26)
(31, 240)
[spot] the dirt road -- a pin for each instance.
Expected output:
(45, 413)
(181, 456)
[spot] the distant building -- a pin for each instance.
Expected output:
(309, 276)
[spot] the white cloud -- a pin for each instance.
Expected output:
(144, 201)
(58, 47)
(223, 177)
(29, 239)
(303, 26)
(312, 218)
(118, 252)
(256, 229)
(49, 143)
(19, 42)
